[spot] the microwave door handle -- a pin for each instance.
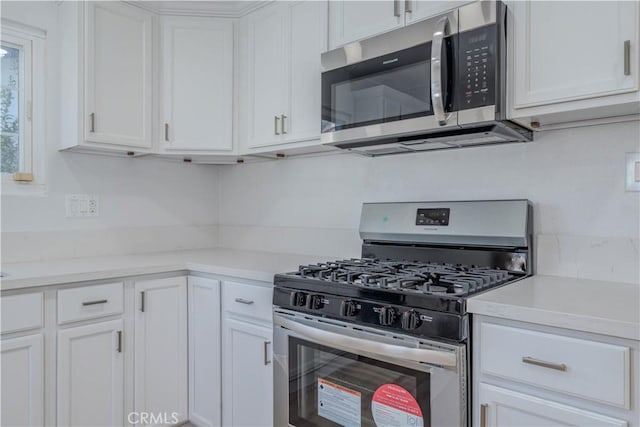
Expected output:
(437, 97)
(356, 345)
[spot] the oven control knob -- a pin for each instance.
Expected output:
(387, 316)
(410, 320)
(314, 302)
(348, 308)
(297, 299)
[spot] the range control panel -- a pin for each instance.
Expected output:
(412, 321)
(433, 216)
(477, 68)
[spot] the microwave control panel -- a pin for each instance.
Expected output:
(477, 67)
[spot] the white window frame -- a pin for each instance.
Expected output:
(31, 42)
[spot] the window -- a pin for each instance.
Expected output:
(21, 108)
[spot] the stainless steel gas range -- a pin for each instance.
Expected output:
(384, 340)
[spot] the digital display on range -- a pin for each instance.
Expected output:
(438, 216)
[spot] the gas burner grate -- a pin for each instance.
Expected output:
(413, 277)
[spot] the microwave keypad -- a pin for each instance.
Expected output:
(477, 68)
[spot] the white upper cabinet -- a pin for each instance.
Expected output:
(266, 69)
(282, 68)
(197, 84)
(568, 56)
(106, 77)
(118, 79)
(352, 20)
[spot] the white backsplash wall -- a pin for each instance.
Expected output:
(145, 204)
(586, 225)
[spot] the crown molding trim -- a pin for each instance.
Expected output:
(209, 11)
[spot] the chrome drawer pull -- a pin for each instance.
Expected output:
(266, 353)
(483, 415)
(96, 302)
(627, 57)
(244, 301)
(544, 364)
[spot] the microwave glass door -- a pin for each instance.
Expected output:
(330, 387)
(384, 89)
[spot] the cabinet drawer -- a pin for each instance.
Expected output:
(89, 302)
(587, 369)
(22, 312)
(247, 300)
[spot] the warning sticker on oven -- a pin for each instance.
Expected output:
(394, 406)
(338, 404)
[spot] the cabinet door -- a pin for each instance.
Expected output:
(117, 74)
(565, 51)
(308, 39)
(22, 361)
(197, 83)
(351, 20)
(247, 375)
(417, 10)
(91, 375)
(506, 408)
(267, 74)
(204, 351)
(160, 367)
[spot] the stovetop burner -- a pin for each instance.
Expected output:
(413, 277)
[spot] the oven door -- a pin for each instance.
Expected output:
(396, 83)
(332, 373)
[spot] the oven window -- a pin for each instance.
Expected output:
(384, 89)
(329, 387)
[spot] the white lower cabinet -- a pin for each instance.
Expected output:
(247, 368)
(533, 375)
(502, 407)
(22, 361)
(160, 366)
(204, 351)
(247, 377)
(91, 375)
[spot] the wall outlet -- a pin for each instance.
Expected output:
(81, 205)
(633, 172)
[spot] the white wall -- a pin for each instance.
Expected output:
(586, 225)
(145, 204)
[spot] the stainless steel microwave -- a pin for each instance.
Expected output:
(439, 83)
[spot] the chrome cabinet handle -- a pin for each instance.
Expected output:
(142, 301)
(408, 6)
(166, 132)
(92, 121)
(284, 124)
(544, 364)
(244, 301)
(275, 125)
(119, 341)
(267, 360)
(627, 57)
(96, 302)
(396, 8)
(436, 76)
(483, 415)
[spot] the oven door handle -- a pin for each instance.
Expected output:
(356, 345)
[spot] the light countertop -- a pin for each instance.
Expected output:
(607, 308)
(251, 265)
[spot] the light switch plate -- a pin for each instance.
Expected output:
(81, 205)
(633, 172)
